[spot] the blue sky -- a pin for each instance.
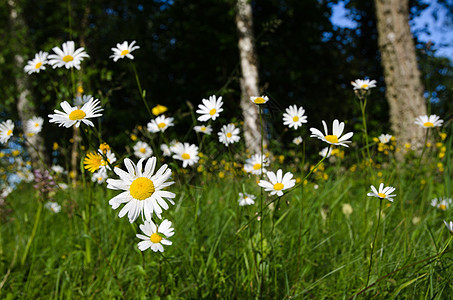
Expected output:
(437, 32)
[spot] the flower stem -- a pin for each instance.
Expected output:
(374, 241)
(261, 265)
(140, 89)
(365, 131)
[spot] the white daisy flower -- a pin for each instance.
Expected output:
(143, 192)
(334, 138)
(81, 100)
(363, 84)
(155, 236)
(166, 151)
(142, 150)
(428, 122)
(173, 145)
(298, 140)
(33, 125)
(37, 64)
(67, 57)
(6, 131)
(123, 50)
(203, 129)
(384, 138)
(259, 99)
(161, 123)
(278, 183)
(210, 109)
(187, 153)
(246, 199)
(294, 117)
(449, 226)
(383, 192)
(5, 191)
(441, 203)
(100, 176)
(57, 169)
(253, 164)
(324, 152)
(74, 115)
(229, 134)
(53, 207)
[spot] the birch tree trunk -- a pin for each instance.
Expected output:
(249, 79)
(404, 87)
(25, 105)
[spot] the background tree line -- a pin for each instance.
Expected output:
(188, 51)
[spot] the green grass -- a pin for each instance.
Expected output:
(310, 248)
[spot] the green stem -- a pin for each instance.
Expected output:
(261, 266)
(141, 90)
(33, 233)
(374, 241)
(365, 130)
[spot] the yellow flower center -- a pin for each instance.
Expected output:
(259, 100)
(212, 111)
(229, 134)
(203, 128)
(68, 58)
(36, 124)
(381, 195)
(142, 150)
(295, 119)
(38, 65)
(443, 206)
(278, 186)
(124, 52)
(155, 238)
(9, 132)
(185, 156)
(332, 139)
(141, 188)
(257, 166)
(77, 114)
(428, 124)
(364, 86)
(161, 125)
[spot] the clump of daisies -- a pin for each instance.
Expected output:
(143, 194)
(441, 203)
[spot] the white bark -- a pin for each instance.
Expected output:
(404, 87)
(249, 80)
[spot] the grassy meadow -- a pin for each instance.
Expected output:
(320, 232)
(315, 244)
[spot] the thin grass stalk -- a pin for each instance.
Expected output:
(33, 233)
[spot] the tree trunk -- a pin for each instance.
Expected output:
(404, 90)
(25, 105)
(249, 80)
